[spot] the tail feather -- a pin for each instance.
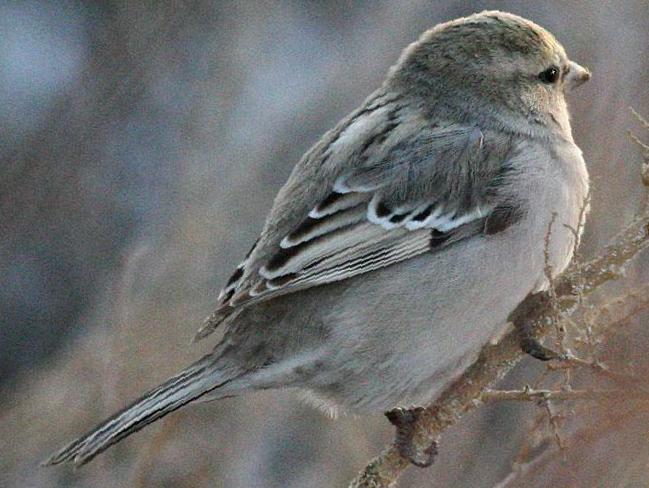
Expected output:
(189, 385)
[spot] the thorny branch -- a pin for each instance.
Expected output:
(525, 465)
(604, 321)
(496, 360)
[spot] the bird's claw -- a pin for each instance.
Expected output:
(524, 319)
(404, 420)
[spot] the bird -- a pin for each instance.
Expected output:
(404, 238)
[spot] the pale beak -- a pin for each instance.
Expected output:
(576, 76)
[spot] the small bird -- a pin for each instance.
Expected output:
(404, 238)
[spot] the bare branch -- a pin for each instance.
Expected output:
(531, 395)
(597, 368)
(528, 462)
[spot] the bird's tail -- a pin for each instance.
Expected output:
(192, 383)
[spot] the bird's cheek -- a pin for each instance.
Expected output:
(537, 100)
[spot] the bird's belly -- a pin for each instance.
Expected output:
(399, 336)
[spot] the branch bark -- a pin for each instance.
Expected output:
(530, 395)
(496, 360)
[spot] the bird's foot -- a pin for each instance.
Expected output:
(404, 420)
(525, 319)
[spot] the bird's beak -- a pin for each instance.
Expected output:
(576, 76)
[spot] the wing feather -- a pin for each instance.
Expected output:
(395, 187)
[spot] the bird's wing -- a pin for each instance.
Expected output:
(384, 186)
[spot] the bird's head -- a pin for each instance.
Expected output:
(492, 65)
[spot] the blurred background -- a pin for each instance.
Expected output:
(141, 145)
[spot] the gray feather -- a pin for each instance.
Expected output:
(179, 390)
(399, 165)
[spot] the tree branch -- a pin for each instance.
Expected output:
(531, 395)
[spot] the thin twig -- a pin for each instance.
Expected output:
(640, 118)
(531, 395)
(553, 419)
(549, 275)
(598, 368)
(582, 438)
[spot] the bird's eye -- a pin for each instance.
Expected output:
(550, 75)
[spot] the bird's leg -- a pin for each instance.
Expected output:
(404, 420)
(524, 318)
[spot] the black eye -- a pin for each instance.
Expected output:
(550, 75)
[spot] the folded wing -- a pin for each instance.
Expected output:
(406, 187)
